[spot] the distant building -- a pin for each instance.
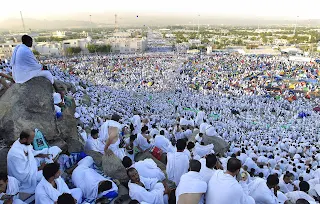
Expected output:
(82, 43)
(61, 34)
(127, 45)
(6, 49)
(122, 35)
(49, 49)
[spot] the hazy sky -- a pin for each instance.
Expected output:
(60, 9)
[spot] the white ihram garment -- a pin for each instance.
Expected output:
(25, 65)
(191, 182)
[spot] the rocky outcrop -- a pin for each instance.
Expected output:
(97, 157)
(220, 145)
(30, 106)
(60, 85)
(112, 166)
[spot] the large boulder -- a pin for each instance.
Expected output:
(75, 145)
(220, 145)
(28, 105)
(112, 166)
(67, 125)
(64, 86)
(97, 156)
(3, 159)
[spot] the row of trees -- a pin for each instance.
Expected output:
(99, 48)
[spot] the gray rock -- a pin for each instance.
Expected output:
(67, 125)
(3, 159)
(28, 105)
(123, 194)
(60, 86)
(97, 157)
(112, 166)
(74, 145)
(220, 145)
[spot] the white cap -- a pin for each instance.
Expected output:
(56, 98)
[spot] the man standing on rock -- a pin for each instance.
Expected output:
(22, 162)
(25, 65)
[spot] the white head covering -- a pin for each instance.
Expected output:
(56, 98)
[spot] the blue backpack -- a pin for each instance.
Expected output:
(39, 142)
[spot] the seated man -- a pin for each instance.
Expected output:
(177, 162)
(24, 64)
(163, 143)
(192, 187)
(207, 166)
(94, 143)
(303, 193)
(264, 191)
(66, 198)
(146, 168)
(146, 189)
(23, 163)
(4, 77)
(9, 189)
(52, 186)
(92, 184)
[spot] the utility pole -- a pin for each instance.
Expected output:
(24, 27)
(295, 26)
(91, 24)
(115, 23)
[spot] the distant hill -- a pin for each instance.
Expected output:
(33, 24)
(130, 19)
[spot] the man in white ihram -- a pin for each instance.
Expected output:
(92, 184)
(25, 65)
(177, 162)
(224, 188)
(23, 164)
(52, 186)
(192, 187)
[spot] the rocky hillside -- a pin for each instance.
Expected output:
(30, 105)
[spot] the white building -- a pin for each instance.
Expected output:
(61, 34)
(6, 49)
(49, 49)
(82, 43)
(127, 45)
(122, 35)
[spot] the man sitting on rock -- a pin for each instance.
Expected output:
(146, 168)
(52, 186)
(92, 184)
(94, 143)
(25, 65)
(146, 189)
(9, 190)
(25, 164)
(4, 77)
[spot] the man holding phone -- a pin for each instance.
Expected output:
(9, 190)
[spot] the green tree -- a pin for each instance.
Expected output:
(35, 52)
(73, 50)
(99, 48)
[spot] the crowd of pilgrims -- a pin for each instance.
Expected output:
(166, 104)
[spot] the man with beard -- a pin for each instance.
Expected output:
(22, 162)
